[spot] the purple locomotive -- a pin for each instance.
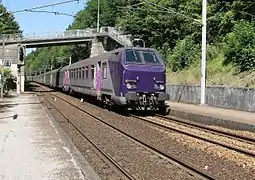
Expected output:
(133, 78)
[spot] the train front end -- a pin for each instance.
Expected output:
(144, 80)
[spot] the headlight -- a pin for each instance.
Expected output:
(159, 86)
(130, 86)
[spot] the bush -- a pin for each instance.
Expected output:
(240, 46)
(184, 53)
(8, 80)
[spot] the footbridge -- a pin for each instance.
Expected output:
(9, 47)
(66, 37)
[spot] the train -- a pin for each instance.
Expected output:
(133, 78)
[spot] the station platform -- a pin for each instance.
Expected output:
(228, 118)
(33, 146)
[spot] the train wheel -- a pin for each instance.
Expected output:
(70, 91)
(164, 110)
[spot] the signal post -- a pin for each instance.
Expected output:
(20, 66)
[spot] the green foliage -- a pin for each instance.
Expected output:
(184, 53)
(8, 79)
(241, 46)
(172, 27)
(8, 25)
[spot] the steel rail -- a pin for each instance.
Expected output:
(185, 164)
(225, 145)
(213, 130)
(117, 166)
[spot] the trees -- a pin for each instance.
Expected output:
(8, 25)
(240, 46)
(173, 28)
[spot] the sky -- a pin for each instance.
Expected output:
(41, 23)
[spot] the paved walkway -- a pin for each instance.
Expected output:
(219, 113)
(33, 147)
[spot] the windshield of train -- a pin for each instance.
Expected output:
(134, 56)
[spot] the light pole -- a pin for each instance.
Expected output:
(2, 71)
(98, 11)
(203, 61)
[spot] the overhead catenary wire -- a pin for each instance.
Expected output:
(171, 11)
(51, 12)
(45, 6)
(164, 10)
(155, 10)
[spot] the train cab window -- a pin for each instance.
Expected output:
(104, 70)
(92, 72)
(142, 57)
(87, 72)
(150, 57)
(83, 72)
(133, 56)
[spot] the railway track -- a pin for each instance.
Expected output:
(185, 165)
(247, 139)
(121, 171)
(216, 132)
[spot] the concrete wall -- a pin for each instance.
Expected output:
(218, 96)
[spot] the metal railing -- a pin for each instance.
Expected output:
(115, 33)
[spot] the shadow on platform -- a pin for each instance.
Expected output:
(32, 87)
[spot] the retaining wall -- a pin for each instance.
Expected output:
(218, 96)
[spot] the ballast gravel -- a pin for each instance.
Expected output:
(199, 153)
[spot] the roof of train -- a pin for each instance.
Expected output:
(54, 70)
(99, 57)
(105, 55)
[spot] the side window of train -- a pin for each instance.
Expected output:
(92, 71)
(79, 73)
(83, 72)
(87, 72)
(104, 70)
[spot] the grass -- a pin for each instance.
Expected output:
(217, 74)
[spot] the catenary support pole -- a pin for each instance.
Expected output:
(2, 71)
(98, 13)
(70, 60)
(203, 62)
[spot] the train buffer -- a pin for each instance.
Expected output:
(33, 146)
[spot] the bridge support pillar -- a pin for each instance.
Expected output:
(22, 79)
(97, 48)
(20, 85)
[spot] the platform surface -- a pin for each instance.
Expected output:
(32, 147)
(219, 113)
